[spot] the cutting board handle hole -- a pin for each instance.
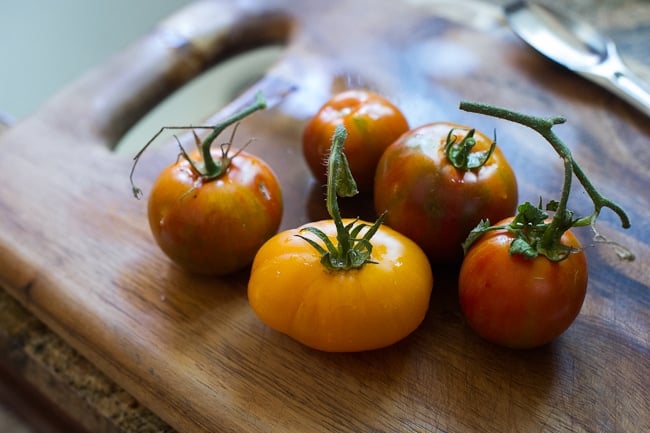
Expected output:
(203, 96)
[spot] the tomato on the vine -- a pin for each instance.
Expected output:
(212, 209)
(437, 181)
(523, 280)
(372, 122)
(341, 285)
(516, 301)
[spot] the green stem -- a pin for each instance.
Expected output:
(533, 234)
(339, 182)
(212, 169)
(351, 251)
(460, 154)
(543, 127)
(557, 227)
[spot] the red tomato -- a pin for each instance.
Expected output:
(433, 202)
(372, 123)
(519, 302)
(215, 226)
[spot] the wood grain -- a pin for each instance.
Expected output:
(76, 251)
(53, 389)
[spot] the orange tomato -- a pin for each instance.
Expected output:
(373, 306)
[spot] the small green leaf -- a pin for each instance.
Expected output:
(529, 214)
(355, 230)
(558, 253)
(552, 206)
(357, 258)
(314, 244)
(344, 181)
(584, 221)
(478, 231)
(521, 246)
(322, 236)
(373, 229)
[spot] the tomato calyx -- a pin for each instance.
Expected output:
(531, 228)
(351, 251)
(211, 169)
(534, 234)
(208, 168)
(460, 154)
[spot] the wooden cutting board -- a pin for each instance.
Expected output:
(76, 250)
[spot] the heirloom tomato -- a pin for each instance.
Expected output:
(341, 285)
(372, 123)
(346, 310)
(523, 281)
(212, 209)
(437, 181)
(517, 301)
(215, 227)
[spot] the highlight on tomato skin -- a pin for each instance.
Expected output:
(372, 123)
(433, 195)
(518, 302)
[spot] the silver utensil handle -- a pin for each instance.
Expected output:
(617, 77)
(633, 89)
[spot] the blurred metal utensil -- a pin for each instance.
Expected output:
(578, 47)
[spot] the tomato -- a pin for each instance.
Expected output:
(523, 280)
(516, 301)
(341, 311)
(341, 285)
(372, 123)
(213, 208)
(215, 226)
(435, 199)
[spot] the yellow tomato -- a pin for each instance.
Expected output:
(350, 310)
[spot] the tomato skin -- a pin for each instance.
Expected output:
(434, 203)
(215, 227)
(517, 302)
(341, 311)
(372, 123)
